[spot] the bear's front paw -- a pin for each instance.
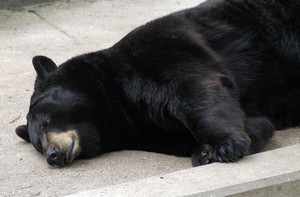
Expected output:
(203, 155)
(232, 150)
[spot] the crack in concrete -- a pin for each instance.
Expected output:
(17, 118)
(53, 25)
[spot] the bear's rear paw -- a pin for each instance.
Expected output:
(232, 150)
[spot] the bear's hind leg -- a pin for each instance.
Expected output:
(260, 130)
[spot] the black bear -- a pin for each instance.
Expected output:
(212, 82)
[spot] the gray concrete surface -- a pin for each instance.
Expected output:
(254, 173)
(16, 4)
(61, 30)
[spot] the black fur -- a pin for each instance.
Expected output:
(212, 81)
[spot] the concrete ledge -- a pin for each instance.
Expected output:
(271, 173)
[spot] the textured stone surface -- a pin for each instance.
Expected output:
(272, 173)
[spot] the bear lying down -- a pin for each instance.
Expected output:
(212, 82)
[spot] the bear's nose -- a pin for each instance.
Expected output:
(54, 157)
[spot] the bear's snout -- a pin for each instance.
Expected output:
(61, 147)
(54, 156)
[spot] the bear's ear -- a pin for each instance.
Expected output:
(22, 132)
(43, 66)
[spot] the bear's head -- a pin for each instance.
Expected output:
(61, 122)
